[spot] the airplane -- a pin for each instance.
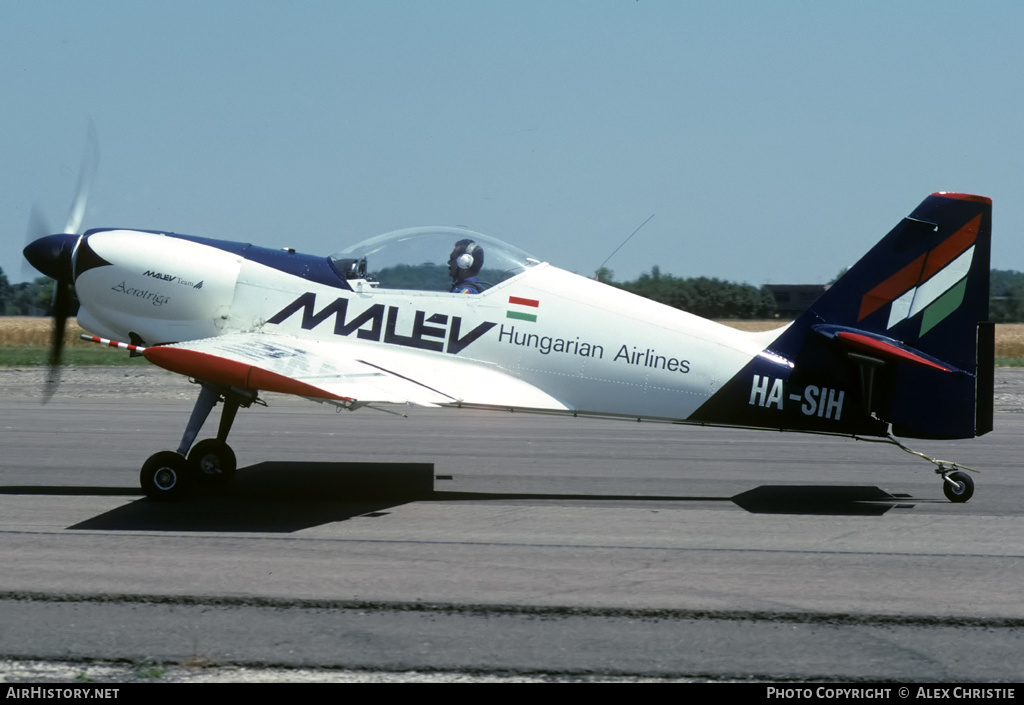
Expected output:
(898, 347)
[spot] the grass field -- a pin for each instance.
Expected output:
(25, 341)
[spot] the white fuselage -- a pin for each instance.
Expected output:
(592, 347)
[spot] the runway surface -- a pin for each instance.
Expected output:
(548, 547)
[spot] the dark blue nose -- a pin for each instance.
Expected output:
(51, 255)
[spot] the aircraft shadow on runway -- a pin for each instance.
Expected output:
(278, 497)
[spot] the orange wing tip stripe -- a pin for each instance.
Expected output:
(235, 374)
(887, 350)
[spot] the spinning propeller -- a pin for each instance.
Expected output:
(54, 256)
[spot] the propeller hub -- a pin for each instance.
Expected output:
(51, 255)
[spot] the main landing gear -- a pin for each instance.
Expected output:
(169, 475)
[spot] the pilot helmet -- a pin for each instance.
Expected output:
(467, 257)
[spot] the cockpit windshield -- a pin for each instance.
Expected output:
(418, 259)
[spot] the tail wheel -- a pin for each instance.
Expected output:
(165, 476)
(213, 462)
(958, 486)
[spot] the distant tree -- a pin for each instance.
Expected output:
(26, 298)
(426, 277)
(714, 298)
(5, 288)
(838, 275)
(703, 296)
(422, 277)
(1006, 292)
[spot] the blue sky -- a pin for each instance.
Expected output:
(775, 142)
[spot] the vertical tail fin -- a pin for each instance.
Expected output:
(925, 284)
(911, 317)
(902, 338)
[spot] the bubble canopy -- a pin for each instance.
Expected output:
(417, 258)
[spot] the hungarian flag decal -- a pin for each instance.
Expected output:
(522, 309)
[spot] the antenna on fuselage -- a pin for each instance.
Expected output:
(624, 243)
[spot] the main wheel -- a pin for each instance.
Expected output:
(214, 462)
(960, 489)
(165, 476)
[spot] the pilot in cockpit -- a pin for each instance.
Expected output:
(464, 267)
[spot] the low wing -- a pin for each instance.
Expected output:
(347, 372)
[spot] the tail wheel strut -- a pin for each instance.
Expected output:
(957, 485)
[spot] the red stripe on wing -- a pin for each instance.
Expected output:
(235, 374)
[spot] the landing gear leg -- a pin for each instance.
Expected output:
(208, 398)
(957, 485)
(168, 475)
(213, 459)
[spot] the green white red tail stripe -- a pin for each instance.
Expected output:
(934, 282)
(947, 287)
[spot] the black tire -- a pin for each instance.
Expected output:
(213, 462)
(165, 476)
(960, 489)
